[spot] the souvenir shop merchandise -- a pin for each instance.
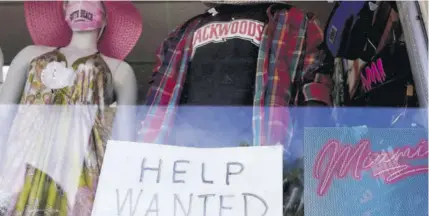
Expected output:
(386, 80)
(70, 65)
(378, 80)
(91, 19)
(232, 92)
(386, 27)
(347, 28)
(196, 46)
(372, 71)
(380, 73)
(381, 189)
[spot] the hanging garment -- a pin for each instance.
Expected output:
(383, 30)
(47, 187)
(286, 68)
(385, 26)
(346, 78)
(215, 107)
(385, 80)
(347, 28)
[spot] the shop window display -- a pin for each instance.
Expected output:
(76, 60)
(231, 74)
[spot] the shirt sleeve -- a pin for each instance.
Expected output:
(317, 69)
(162, 59)
(171, 46)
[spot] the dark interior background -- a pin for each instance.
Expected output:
(159, 18)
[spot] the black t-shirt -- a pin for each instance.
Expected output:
(225, 50)
(220, 80)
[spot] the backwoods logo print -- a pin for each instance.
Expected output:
(218, 32)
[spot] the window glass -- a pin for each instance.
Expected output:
(253, 108)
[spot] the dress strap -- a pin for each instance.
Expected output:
(57, 50)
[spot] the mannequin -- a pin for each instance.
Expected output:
(228, 77)
(81, 66)
(81, 44)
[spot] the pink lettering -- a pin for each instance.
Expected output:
(251, 29)
(336, 160)
(259, 32)
(197, 37)
(373, 75)
(213, 31)
(243, 27)
(234, 27)
(206, 33)
(224, 29)
(221, 32)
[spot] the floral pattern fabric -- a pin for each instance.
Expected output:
(40, 193)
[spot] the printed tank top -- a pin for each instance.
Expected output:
(71, 145)
(93, 83)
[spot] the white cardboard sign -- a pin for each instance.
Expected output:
(158, 180)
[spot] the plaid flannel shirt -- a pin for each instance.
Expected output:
(287, 73)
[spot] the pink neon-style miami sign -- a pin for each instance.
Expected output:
(337, 160)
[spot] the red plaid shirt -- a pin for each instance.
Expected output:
(288, 72)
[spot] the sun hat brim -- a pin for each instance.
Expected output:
(47, 26)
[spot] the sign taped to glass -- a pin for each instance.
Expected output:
(170, 180)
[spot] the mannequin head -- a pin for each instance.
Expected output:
(48, 26)
(85, 15)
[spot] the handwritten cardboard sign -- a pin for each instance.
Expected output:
(159, 180)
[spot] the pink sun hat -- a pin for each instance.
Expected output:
(47, 26)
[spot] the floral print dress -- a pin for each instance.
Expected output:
(40, 193)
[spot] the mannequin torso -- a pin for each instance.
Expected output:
(82, 44)
(66, 70)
